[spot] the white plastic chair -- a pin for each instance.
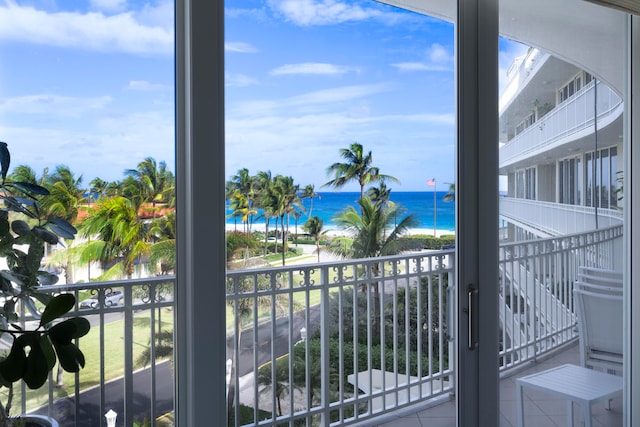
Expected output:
(599, 312)
(600, 276)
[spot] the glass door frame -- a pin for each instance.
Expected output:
(200, 304)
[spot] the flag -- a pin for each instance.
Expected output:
(431, 182)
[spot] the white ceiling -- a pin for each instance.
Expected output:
(584, 34)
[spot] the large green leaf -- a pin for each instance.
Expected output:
(37, 369)
(20, 227)
(27, 187)
(62, 228)
(46, 235)
(13, 366)
(58, 306)
(68, 330)
(70, 357)
(46, 279)
(47, 350)
(12, 277)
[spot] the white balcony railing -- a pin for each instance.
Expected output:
(128, 357)
(336, 362)
(567, 119)
(557, 219)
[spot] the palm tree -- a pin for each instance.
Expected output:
(374, 234)
(265, 201)
(97, 188)
(281, 386)
(451, 193)
(314, 228)
(64, 200)
(285, 194)
(122, 238)
(152, 180)
(163, 250)
(357, 167)
(24, 173)
(309, 193)
(242, 184)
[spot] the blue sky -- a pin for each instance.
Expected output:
(90, 84)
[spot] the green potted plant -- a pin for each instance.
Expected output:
(24, 230)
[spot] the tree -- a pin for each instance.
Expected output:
(309, 193)
(314, 227)
(152, 181)
(242, 192)
(285, 196)
(451, 193)
(281, 386)
(64, 200)
(374, 234)
(358, 167)
(122, 238)
(266, 202)
(163, 248)
(97, 188)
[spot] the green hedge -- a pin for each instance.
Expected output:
(424, 241)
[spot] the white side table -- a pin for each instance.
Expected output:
(573, 383)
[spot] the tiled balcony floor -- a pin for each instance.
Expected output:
(541, 410)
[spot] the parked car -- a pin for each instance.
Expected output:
(110, 298)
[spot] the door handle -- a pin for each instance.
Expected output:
(472, 340)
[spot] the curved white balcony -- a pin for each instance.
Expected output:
(556, 219)
(564, 129)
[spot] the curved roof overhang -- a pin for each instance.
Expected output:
(581, 33)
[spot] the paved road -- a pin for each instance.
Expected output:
(89, 402)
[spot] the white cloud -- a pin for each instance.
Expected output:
(143, 85)
(109, 5)
(53, 105)
(312, 68)
(110, 145)
(439, 59)
(90, 31)
(240, 47)
(238, 80)
(326, 12)
(420, 66)
(439, 54)
(310, 101)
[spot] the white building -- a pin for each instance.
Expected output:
(549, 132)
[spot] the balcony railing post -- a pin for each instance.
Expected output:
(325, 358)
(128, 356)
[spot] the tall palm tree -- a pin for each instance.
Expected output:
(242, 183)
(314, 227)
(285, 193)
(64, 200)
(118, 236)
(265, 201)
(374, 234)
(358, 167)
(309, 193)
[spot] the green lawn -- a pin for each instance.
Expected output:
(113, 357)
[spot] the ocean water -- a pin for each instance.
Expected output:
(419, 203)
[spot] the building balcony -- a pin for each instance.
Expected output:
(556, 219)
(566, 129)
(336, 362)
